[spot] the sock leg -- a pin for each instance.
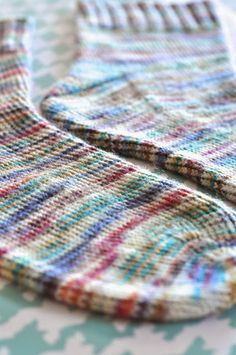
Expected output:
(153, 82)
(86, 228)
(14, 73)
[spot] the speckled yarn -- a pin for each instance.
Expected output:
(154, 82)
(85, 228)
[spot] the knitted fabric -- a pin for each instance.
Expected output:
(153, 82)
(87, 229)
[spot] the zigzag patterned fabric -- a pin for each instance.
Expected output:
(82, 226)
(153, 82)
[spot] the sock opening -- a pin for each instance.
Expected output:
(141, 15)
(13, 34)
(14, 73)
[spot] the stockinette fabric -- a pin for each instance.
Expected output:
(82, 226)
(153, 82)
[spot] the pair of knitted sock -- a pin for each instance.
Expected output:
(82, 226)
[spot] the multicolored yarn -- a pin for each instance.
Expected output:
(88, 229)
(153, 82)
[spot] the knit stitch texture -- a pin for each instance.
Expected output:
(153, 82)
(82, 226)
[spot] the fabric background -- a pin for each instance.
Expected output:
(30, 325)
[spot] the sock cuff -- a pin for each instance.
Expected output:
(13, 34)
(141, 15)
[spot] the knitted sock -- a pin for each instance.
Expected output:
(153, 82)
(82, 226)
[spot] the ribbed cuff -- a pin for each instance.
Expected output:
(146, 15)
(13, 34)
